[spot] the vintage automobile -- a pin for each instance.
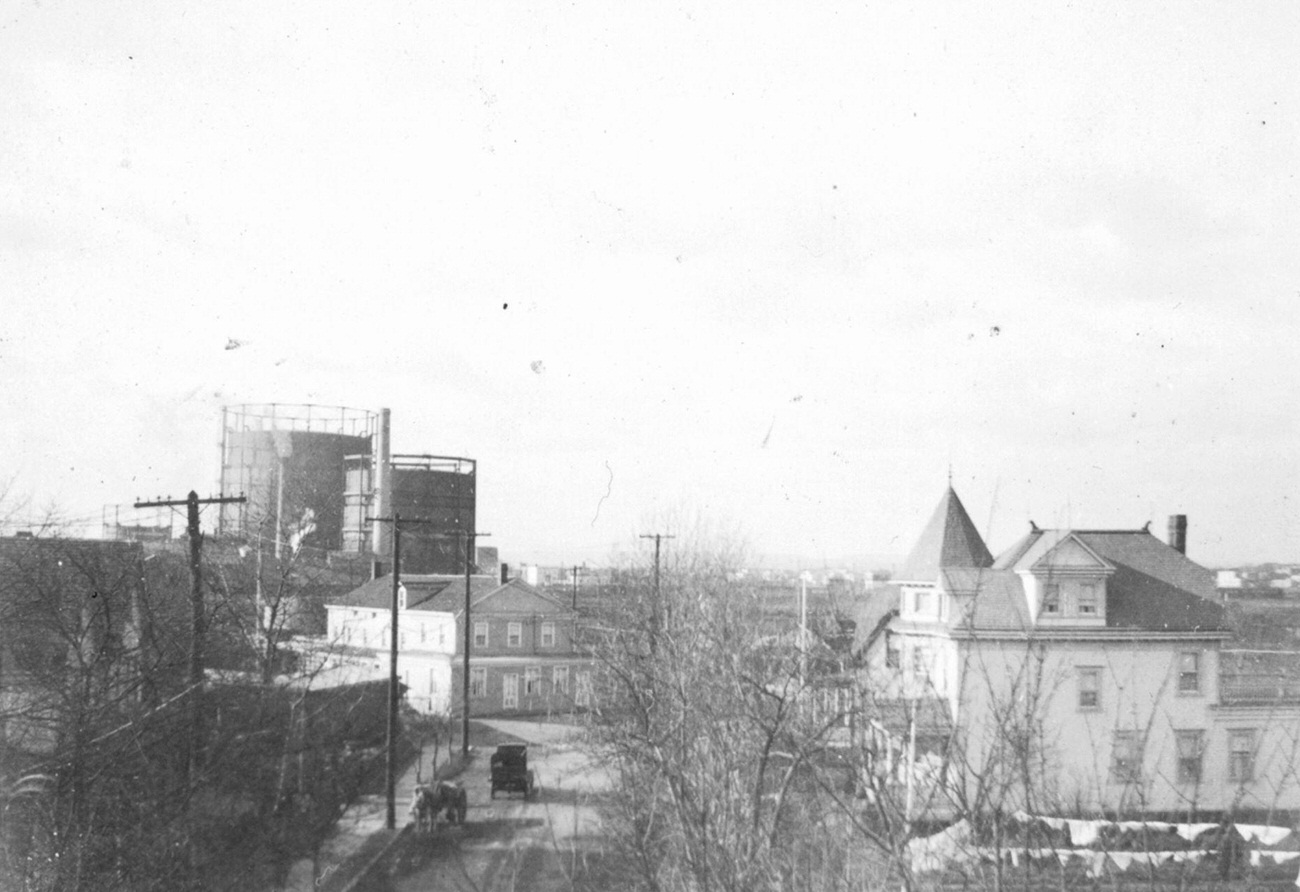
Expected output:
(510, 771)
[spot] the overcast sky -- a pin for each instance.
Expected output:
(778, 264)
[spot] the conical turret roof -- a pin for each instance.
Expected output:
(948, 541)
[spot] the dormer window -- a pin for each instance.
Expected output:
(1087, 600)
(1052, 598)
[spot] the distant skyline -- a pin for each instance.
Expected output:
(776, 266)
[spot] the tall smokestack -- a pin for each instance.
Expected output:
(1178, 532)
(382, 481)
(505, 573)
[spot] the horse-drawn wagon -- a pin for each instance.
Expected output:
(442, 798)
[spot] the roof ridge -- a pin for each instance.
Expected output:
(1143, 530)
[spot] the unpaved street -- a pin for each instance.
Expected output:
(508, 843)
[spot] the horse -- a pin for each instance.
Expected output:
(428, 802)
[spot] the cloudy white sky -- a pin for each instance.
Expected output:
(780, 264)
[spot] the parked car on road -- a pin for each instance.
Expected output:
(510, 771)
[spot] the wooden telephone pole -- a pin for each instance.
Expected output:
(390, 766)
(197, 617)
(657, 605)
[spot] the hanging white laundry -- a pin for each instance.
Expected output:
(1269, 836)
(1158, 826)
(1255, 855)
(1123, 860)
(1192, 855)
(1054, 823)
(1141, 857)
(1015, 857)
(1159, 858)
(1283, 857)
(1084, 833)
(1097, 864)
(1189, 832)
(1022, 816)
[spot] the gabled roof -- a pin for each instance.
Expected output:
(423, 592)
(1151, 587)
(517, 596)
(986, 599)
(447, 594)
(1155, 586)
(948, 541)
(874, 614)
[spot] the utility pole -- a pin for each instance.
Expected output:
(575, 587)
(803, 631)
(390, 760)
(470, 536)
(655, 607)
(197, 619)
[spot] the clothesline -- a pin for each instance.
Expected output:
(1085, 832)
(952, 846)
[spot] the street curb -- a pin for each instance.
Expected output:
(405, 830)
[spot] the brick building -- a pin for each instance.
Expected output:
(523, 656)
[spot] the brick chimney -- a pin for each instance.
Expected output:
(1178, 532)
(505, 573)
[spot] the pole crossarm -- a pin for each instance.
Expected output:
(210, 500)
(197, 616)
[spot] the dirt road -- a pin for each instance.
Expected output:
(507, 843)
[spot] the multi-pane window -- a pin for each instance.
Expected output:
(1051, 598)
(514, 634)
(1089, 688)
(478, 682)
(532, 680)
(480, 634)
(547, 635)
(560, 679)
(893, 657)
(1241, 755)
(582, 691)
(1189, 673)
(510, 691)
(1088, 600)
(920, 661)
(1126, 757)
(1189, 756)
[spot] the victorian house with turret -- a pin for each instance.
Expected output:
(1080, 672)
